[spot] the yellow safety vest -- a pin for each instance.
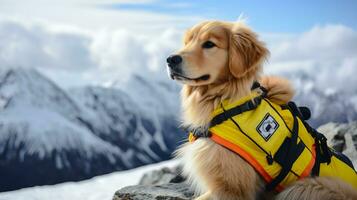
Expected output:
(276, 141)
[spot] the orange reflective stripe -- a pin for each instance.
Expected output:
(250, 159)
(309, 167)
(247, 157)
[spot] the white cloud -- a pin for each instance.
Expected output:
(80, 42)
(327, 53)
(37, 47)
(111, 49)
(75, 58)
(328, 42)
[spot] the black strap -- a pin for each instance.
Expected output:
(227, 114)
(247, 106)
(342, 157)
(290, 158)
(302, 112)
(315, 171)
(322, 147)
(255, 85)
(323, 152)
(282, 153)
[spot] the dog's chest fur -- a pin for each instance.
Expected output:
(211, 167)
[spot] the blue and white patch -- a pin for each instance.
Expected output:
(267, 127)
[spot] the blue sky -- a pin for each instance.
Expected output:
(266, 16)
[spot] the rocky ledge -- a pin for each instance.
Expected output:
(168, 191)
(168, 184)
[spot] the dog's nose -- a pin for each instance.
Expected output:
(174, 60)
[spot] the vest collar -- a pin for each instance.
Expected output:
(227, 104)
(227, 110)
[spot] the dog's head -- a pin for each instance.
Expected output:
(215, 52)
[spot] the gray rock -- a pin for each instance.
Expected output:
(342, 137)
(170, 191)
(162, 176)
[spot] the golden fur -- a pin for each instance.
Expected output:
(233, 64)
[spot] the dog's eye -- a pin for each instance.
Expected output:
(208, 45)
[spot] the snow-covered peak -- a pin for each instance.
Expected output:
(25, 87)
(37, 119)
(153, 93)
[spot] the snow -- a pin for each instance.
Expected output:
(350, 150)
(36, 132)
(98, 188)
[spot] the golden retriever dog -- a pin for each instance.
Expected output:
(220, 61)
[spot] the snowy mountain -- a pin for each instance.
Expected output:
(48, 135)
(135, 128)
(327, 104)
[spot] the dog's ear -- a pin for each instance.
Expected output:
(245, 52)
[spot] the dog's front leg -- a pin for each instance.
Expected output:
(205, 196)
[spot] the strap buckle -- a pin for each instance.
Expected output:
(302, 112)
(322, 147)
(201, 132)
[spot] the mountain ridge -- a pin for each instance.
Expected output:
(73, 135)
